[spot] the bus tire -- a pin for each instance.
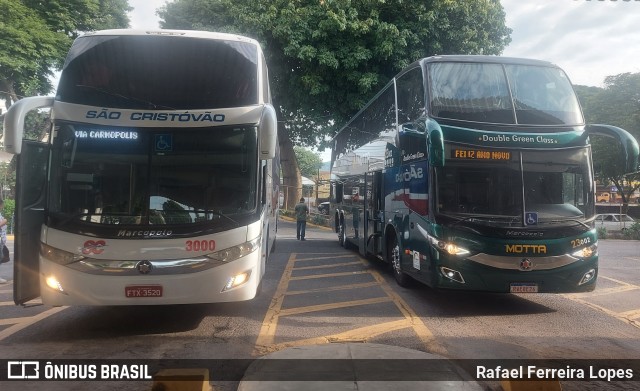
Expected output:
(393, 255)
(345, 242)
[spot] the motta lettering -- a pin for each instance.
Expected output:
(526, 248)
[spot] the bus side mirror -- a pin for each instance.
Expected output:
(14, 120)
(628, 142)
(435, 144)
(268, 133)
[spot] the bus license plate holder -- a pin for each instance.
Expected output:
(523, 287)
(141, 291)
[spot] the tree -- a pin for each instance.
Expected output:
(308, 161)
(618, 104)
(37, 34)
(327, 58)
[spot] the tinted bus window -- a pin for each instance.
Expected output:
(139, 72)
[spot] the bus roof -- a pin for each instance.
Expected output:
(470, 58)
(489, 59)
(174, 33)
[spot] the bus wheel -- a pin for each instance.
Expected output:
(341, 235)
(393, 256)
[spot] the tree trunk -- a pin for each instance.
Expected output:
(291, 177)
(11, 97)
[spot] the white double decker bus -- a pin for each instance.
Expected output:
(158, 181)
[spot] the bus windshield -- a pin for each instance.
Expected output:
(489, 186)
(159, 73)
(108, 175)
(503, 93)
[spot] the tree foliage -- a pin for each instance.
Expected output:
(327, 58)
(37, 34)
(309, 162)
(618, 104)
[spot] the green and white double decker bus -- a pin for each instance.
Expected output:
(474, 173)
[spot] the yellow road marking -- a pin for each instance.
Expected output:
(331, 306)
(265, 342)
(423, 332)
(4, 322)
(333, 288)
(604, 291)
(23, 323)
(327, 266)
(331, 257)
(631, 314)
(627, 316)
(270, 323)
(361, 334)
(329, 275)
(618, 281)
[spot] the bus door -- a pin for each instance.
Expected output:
(31, 177)
(373, 213)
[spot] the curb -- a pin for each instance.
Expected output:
(355, 366)
(310, 224)
(192, 379)
(531, 385)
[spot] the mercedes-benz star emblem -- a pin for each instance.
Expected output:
(144, 267)
(526, 264)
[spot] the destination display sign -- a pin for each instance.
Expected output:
(480, 154)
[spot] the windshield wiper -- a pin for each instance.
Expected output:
(149, 104)
(75, 216)
(490, 218)
(214, 212)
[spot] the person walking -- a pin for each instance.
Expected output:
(301, 210)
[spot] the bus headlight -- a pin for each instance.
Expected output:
(588, 276)
(236, 252)
(237, 280)
(54, 284)
(586, 252)
(58, 256)
(448, 247)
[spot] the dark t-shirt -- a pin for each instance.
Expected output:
(301, 212)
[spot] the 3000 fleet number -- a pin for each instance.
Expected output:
(200, 245)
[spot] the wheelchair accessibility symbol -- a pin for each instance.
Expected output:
(164, 143)
(531, 218)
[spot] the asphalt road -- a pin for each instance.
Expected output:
(316, 293)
